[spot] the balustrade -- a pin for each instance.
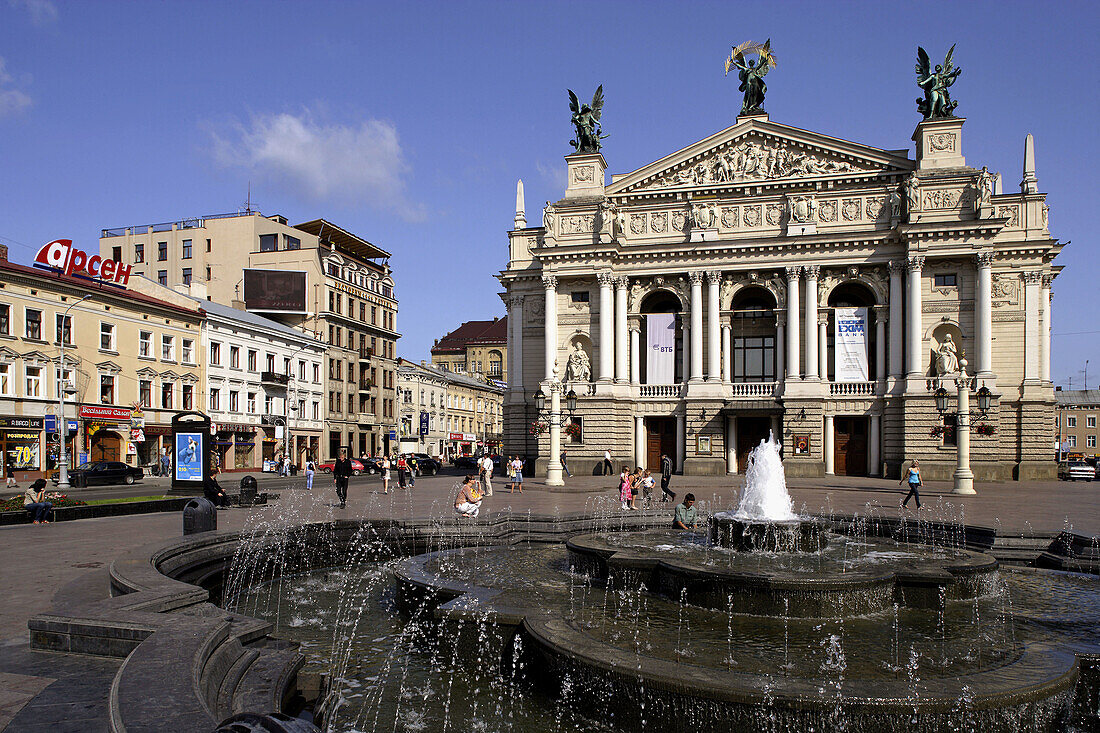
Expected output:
(852, 389)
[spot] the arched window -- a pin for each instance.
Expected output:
(752, 336)
(850, 295)
(662, 301)
(495, 363)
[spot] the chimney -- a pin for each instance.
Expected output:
(238, 304)
(3, 253)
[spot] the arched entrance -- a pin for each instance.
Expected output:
(851, 433)
(105, 445)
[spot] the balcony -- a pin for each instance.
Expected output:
(365, 354)
(852, 389)
(274, 379)
(366, 385)
(754, 390)
(660, 390)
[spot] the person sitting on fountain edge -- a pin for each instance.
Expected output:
(685, 514)
(468, 498)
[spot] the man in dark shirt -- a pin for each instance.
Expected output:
(212, 491)
(666, 476)
(341, 472)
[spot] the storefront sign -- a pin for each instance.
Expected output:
(423, 423)
(661, 342)
(850, 337)
(137, 435)
(462, 436)
(62, 256)
(21, 423)
(99, 412)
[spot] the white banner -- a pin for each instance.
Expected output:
(850, 344)
(661, 341)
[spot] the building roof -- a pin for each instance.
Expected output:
(451, 377)
(253, 319)
(1065, 397)
(95, 287)
(342, 239)
(473, 333)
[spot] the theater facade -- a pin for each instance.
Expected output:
(769, 278)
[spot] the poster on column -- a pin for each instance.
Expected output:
(661, 341)
(850, 344)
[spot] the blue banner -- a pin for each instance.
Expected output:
(189, 450)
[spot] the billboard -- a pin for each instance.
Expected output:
(189, 456)
(275, 291)
(850, 339)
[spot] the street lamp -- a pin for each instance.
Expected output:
(62, 387)
(964, 477)
(555, 420)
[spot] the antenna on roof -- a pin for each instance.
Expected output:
(248, 200)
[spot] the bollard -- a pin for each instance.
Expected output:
(199, 515)
(248, 491)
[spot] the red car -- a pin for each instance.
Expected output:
(327, 466)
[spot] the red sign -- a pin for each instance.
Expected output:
(61, 255)
(97, 412)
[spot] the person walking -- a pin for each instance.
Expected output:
(414, 465)
(385, 468)
(912, 476)
(341, 472)
(607, 469)
(166, 463)
(487, 474)
(36, 504)
(517, 474)
(402, 470)
(311, 468)
(666, 476)
(564, 465)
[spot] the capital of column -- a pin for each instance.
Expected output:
(1048, 280)
(726, 326)
(984, 259)
(793, 272)
(515, 301)
(634, 327)
(605, 279)
(896, 267)
(696, 277)
(621, 282)
(823, 318)
(916, 264)
(550, 282)
(881, 313)
(811, 271)
(1032, 277)
(714, 277)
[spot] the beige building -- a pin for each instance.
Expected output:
(315, 277)
(479, 348)
(133, 361)
(1075, 422)
(460, 412)
(774, 279)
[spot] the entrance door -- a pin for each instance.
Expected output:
(750, 431)
(106, 446)
(660, 439)
(850, 446)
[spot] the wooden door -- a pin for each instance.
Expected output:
(105, 447)
(850, 446)
(660, 439)
(750, 431)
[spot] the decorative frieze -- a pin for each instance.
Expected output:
(827, 212)
(577, 224)
(658, 222)
(752, 216)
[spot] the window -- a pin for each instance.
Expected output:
(286, 366)
(269, 242)
(116, 254)
(1090, 441)
(106, 336)
(186, 255)
(251, 360)
(1071, 441)
(362, 312)
(234, 357)
(145, 344)
(1071, 421)
(1090, 421)
(186, 276)
(208, 273)
(754, 359)
(374, 315)
(188, 397)
(139, 253)
(301, 411)
(301, 370)
(162, 251)
(292, 242)
(5, 319)
(106, 389)
(166, 395)
(251, 403)
(269, 361)
(34, 382)
(162, 277)
(145, 393)
(34, 324)
(64, 329)
(316, 410)
(215, 353)
(945, 281)
(168, 348)
(215, 398)
(5, 379)
(579, 296)
(208, 245)
(267, 404)
(234, 399)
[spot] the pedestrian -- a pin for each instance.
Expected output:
(10, 471)
(166, 463)
(517, 474)
(402, 470)
(414, 465)
(487, 475)
(564, 465)
(912, 476)
(286, 466)
(666, 476)
(468, 498)
(341, 472)
(647, 484)
(36, 504)
(684, 518)
(635, 487)
(310, 470)
(625, 495)
(384, 466)
(607, 469)
(213, 491)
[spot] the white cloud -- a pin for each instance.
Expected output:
(350, 164)
(41, 11)
(12, 101)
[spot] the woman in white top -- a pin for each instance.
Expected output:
(385, 474)
(517, 475)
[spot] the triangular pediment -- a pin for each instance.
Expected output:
(755, 151)
(36, 356)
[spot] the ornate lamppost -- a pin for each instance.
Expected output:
(964, 477)
(555, 420)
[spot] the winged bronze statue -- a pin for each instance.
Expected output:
(937, 103)
(586, 120)
(751, 73)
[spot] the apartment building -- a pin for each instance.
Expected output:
(475, 347)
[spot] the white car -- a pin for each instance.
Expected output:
(1074, 470)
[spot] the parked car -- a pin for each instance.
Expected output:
(104, 472)
(372, 464)
(465, 462)
(326, 467)
(1074, 470)
(427, 465)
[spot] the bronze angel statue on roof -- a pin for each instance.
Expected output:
(752, 73)
(586, 120)
(937, 102)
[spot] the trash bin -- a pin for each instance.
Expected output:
(248, 491)
(199, 515)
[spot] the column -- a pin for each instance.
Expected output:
(915, 341)
(696, 326)
(515, 349)
(983, 313)
(1044, 329)
(897, 371)
(731, 444)
(1032, 288)
(714, 364)
(553, 466)
(823, 344)
(685, 349)
(793, 345)
(964, 477)
(607, 333)
(875, 447)
(635, 355)
(827, 445)
(880, 343)
(811, 320)
(622, 339)
(727, 355)
(640, 451)
(777, 427)
(681, 443)
(550, 326)
(780, 346)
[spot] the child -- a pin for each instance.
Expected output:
(625, 495)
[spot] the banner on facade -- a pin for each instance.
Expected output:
(661, 342)
(850, 342)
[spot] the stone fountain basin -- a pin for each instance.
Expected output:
(801, 534)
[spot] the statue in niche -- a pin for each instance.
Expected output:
(607, 217)
(947, 358)
(937, 104)
(579, 368)
(586, 120)
(752, 73)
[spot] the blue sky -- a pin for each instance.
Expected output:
(409, 123)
